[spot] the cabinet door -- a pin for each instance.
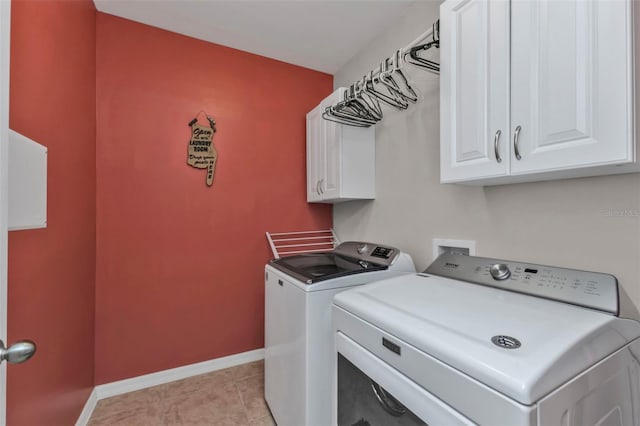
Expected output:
(315, 160)
(330, 180)
(474, 121)
(571, 84)
(332, 146)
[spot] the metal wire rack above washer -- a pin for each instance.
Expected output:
(361, 103)
(288, 243)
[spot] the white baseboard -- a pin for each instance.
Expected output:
(88, 409)
(161, 377)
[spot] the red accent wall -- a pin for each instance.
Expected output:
(179, 264)
(52, 271)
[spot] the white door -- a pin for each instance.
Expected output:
(21, 351)
(323, 154)
(331, 155)
(314, 153)
(5, 20)
(330, 180)
(571, 83)
(474, 89)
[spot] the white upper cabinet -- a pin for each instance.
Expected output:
(314, 123)
(536, 90)
(27, 183)
(474, 87)
(340, 158)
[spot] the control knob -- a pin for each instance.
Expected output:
(499, 271)
(362, 248)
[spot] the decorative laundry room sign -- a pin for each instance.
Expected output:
(201, 153)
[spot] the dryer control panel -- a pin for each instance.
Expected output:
(588, 289)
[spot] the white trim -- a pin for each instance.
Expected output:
(5, 45)
(87, 411)
(161, 377)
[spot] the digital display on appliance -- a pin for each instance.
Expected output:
(382, 252)
(530, 271)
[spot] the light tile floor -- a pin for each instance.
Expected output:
(234, 397)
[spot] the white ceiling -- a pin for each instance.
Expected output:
(321, 35)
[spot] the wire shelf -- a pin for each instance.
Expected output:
(289, 243)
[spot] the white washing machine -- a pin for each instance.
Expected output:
(482, 341)
(299, 347)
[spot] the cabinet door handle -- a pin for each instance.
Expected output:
(516, 137)
(496, 151)
(322, 186)
(318, 187)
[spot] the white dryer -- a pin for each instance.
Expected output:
(481, 341)
(299, 347)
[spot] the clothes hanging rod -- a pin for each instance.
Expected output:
(435, 28)
(360, 103)
(433, 33)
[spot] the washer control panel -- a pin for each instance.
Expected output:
(589, 289)
(369, 252)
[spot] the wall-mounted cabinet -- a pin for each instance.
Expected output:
(340, 158)
(536, 90)
(27, 183)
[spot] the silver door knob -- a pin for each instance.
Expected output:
(17, 353)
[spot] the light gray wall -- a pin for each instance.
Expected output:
(563, 223)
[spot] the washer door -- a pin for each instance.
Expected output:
(372, 393)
